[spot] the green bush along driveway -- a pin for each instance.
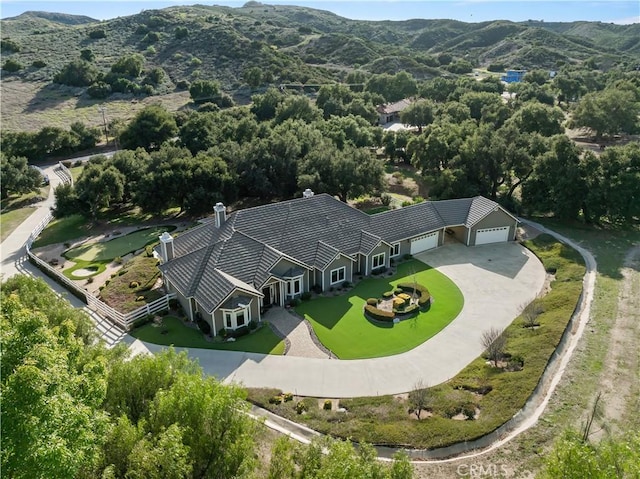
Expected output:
(340, 324)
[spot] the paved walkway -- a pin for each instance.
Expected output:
(296, 331)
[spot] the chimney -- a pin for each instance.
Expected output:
(307, 193)
(221, 214)
(166, 247)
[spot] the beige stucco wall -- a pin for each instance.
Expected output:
(459, 233)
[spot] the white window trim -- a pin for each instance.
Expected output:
(393, 250)
(344, 275)
(380, 265)
(234, 316)
(290, 283)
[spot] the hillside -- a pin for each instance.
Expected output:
(289, 44)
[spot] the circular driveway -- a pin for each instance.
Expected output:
(497, 280)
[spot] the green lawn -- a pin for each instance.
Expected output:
(120, 246)
(179, 335)
(340, 324)
(63, 229)
(11, 219)
(75, 172)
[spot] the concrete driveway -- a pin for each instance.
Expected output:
(496, 281)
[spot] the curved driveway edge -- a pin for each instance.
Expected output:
(496, 281)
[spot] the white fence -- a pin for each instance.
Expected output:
(64, 173)
(124, 320)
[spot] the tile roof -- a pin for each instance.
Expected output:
(211, 262)
(394, 107)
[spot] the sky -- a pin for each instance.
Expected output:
(610, 11)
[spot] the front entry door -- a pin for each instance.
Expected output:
(270, 295)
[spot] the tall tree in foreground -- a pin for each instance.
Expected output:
(53, 383)
(332, 459)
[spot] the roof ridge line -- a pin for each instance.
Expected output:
(203, 265)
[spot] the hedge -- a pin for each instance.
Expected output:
(379, 314)
(425, 296)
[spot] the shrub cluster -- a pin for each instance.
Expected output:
(204, 326)
(425, 296)
(379, 314)
(372, 301)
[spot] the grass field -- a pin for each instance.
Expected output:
(108, 250)
(11, 219)
(384, 419)
(340, 324)
(75, 172)
(62, 230)
(173, 332)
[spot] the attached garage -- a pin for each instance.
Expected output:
(492, 235)
(424, 243)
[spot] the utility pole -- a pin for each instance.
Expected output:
(102, 110)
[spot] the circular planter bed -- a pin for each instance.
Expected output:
(406, 301)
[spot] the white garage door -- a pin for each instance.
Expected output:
(423, 243)
(492, 235)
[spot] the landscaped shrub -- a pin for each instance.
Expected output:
(346, 284)
(327, 405)
(140, 298)
(407, 256)
(117, 260)
(306, 296)
(253, 325)
(134, 284)
(275, 400)
(122, 271)
(398, 303)
(409, 310)
(316, 288)
(372, 301)
(425, 296)
(379, 314)
(398, 291)
(287, 397)
(142, 321)
(301, 407)
(204, 326)
(387, 294)
(293, 302)
(241, 331)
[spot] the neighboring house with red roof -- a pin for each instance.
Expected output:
(228, 269)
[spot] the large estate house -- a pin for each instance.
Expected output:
(227, 270)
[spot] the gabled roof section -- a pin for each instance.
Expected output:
(396, 225)
(453, 212)
(215, 286)
(368, 242)
(481, 207)
(325, 254)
